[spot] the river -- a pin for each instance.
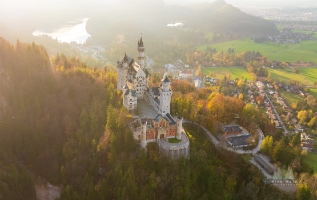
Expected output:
(72, 31)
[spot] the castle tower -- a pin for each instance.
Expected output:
(179, 121)
(125, 60)
(122, 72)
(141, 57)
(143, 133)
(165, 96)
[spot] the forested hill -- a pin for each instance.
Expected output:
(216, 17)
(222, 17)
(65, 121)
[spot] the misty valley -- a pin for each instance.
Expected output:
(160, 99)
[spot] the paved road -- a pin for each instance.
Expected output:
(277, 115)
(214, 140)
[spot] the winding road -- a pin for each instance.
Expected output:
(214, 140)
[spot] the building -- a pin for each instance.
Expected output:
(294, 89)
(198, 82)
(133, 80)
(186, 74)
(239, 141)
(263, 164)
(232, 129)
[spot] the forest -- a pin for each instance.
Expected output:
(65, 121)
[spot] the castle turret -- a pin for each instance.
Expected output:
(141, 57)
(143, 133)
(125, 60)
(165, 96)
(125, 88)
(179, 121)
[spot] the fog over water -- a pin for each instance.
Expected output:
(73, 31)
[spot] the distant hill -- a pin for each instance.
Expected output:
(142, 16)
(222, 17)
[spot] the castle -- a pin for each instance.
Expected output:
(133, 81)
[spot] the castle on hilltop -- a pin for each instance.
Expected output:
(133, 81)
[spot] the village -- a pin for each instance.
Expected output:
(261, 95)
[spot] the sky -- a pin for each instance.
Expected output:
(239, 3)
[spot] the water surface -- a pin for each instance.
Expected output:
(73, 31)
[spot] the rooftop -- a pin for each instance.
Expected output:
(239, 140)
(264, 164)
(231, 128)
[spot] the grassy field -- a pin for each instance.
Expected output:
(309, 72)
(285, 76)
(311, 159)
(290, 98)
(307, 75)
(313, 91)
(234, 72)
(306, 50)
(173, 140)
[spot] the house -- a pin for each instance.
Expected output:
(308, 141)
(211, 80)
(308, 147)
(277, 124)
(303, 136)
(198, 82)
(231, 82)
(236, 93)
(298, 128)
(294, 120)
(301, 94)
(267, 105)
(239, 141)
(276, 96)
(269, 85)
(280, 86)
(287, 108)
(271, 92)
(232, 129)
(260, 85)
(186, 74)
(169, 66)
(294, 89)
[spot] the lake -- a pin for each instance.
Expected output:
(72, 31)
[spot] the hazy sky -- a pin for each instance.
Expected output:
(17, 10)
(269, 3)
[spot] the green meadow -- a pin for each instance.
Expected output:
(233, 72)
(307, 75)
(306, 50)
(289, 97)
(311, 159)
